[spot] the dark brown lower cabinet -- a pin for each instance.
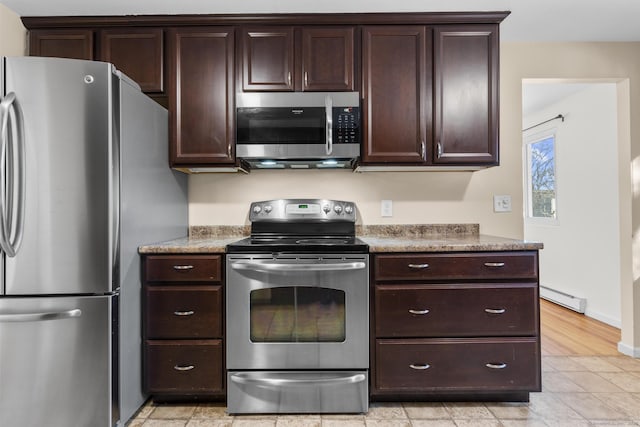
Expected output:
(178, 368)
(183, 314)
(474, 335)
(440, 365)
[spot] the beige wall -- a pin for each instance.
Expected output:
(13, 35)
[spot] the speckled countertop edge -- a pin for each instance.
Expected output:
(380, 238)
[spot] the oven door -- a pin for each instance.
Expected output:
(297, 311)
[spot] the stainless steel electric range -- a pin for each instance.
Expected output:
(298, 311)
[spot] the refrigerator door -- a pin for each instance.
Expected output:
(70, 200)
(55, 361)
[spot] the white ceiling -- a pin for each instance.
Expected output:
(530, 20)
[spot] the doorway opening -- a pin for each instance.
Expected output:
(575, 157)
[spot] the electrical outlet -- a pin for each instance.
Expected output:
(386, 208)
(502, 203)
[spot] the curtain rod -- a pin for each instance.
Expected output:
(559, 116)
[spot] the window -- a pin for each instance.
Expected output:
(541, 191)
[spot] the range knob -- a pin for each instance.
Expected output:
(348, 209)
(268, 208)
(326, 209)
(337, 209)
(257, 209)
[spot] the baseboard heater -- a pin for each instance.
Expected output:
(563, 299)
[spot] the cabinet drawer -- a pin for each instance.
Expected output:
(182, 268)
(459, 266)
(458, 365)
(456, 310)
(183, 312)
(184, 367)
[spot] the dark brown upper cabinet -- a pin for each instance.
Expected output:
(466, 93)
(396, 91)
(327, 59)
(287, 58)
(74, 43)
(267, 59)
(201, 96)
(137, 52)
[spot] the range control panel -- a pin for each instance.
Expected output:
(302, 209)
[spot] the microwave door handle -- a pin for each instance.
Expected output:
(328, 106)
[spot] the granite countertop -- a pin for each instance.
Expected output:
(380, 238)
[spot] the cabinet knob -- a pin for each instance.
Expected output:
(418, 266)
(494, 264)
(183, 368)
(420, 367)
(496, 365)
(184, 313)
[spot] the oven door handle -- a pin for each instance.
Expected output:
(280, 267)
(242, 378)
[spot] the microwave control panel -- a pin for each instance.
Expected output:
(346, 125)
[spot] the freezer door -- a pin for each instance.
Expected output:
(55, 361)
(70, 162)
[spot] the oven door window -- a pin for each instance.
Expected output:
(297, 314)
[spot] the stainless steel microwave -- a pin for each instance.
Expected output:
(298, 129)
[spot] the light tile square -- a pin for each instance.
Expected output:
(425, 410)
(465, 410)
(173, 411)
(590, 407)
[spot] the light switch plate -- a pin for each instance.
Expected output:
(502, 203)
(386, 208)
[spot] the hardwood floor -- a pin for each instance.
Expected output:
(567, 333)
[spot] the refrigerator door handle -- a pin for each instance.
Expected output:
(11, 149)
(38, 317)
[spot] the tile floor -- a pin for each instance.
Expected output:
(576, 391)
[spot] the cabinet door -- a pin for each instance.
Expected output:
(327, 59)
(466, 90)
(268, 58)
(75, 44)
(136, 52)
(397, 94)
(201, 95)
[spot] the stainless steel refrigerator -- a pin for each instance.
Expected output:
(84, 180)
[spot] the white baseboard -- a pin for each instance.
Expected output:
(628, 350)
(563, 299)
(616, 323)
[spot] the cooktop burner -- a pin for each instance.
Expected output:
(301, 225)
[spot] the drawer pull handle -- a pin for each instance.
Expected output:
(496, 365)
(183, 368)
(495, 310)
(419, 266)
(420, 367)
(418, 311)
(183, 267)
(184, 313)
(494, 264)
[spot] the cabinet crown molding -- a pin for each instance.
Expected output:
(424, 18)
